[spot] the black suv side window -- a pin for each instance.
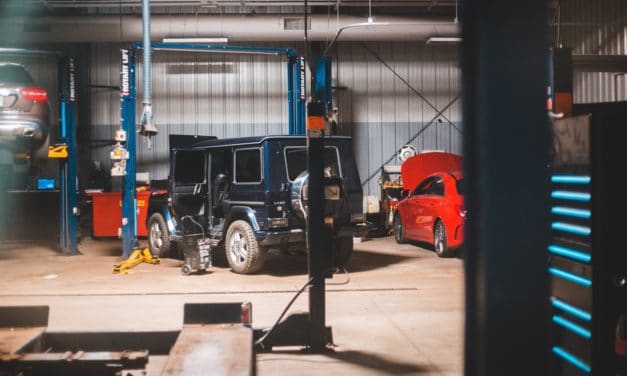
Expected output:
(248, 166)
(296, 161)
(221, 163)
(189, 168)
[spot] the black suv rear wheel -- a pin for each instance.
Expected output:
(243, 252)
(158, 236)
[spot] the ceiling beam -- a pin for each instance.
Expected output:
(226, 3)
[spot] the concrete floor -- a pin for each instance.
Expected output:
(400, 313)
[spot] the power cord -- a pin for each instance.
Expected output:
(194, 222)
(348, 278)
(260, 341)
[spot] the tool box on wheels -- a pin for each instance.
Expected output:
(197, 254)
(196, 250)
(587, 262)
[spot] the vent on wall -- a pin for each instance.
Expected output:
(37, 27)
(295, 24)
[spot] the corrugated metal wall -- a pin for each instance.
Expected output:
(600, 28)
(193, 93)
(383, 113)
(231, 96)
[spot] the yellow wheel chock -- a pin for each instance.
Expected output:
(137, 257)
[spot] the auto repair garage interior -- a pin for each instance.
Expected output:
(282, 187)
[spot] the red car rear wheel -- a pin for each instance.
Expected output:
(440, 241)
(399, 231)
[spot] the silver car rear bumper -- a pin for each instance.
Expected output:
(21, 129)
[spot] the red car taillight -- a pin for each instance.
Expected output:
(246, 314)
(35, 94)
(620, 344)
(461, 210)
(393, 203)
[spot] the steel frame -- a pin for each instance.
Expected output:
(296, 112)
(213, 336)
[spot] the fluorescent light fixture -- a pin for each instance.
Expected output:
(197, 40)
(443, 40)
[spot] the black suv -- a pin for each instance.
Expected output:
(249, 194)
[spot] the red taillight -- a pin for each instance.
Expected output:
(35, 94)
(393, 203)
(247, 313)
(620, 344)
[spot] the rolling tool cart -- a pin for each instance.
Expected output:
(587, 261)
(196, 251)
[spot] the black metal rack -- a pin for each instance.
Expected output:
(587, 260)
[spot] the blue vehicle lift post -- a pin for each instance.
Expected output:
(296, 113)
(127, 109)
(68, 171)
(66, 78)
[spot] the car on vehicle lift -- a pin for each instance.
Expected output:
(250, 194)
(24, 113)
(433, 212)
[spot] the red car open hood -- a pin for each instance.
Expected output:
(417, 168)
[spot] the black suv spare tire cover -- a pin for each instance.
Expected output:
(298, 194)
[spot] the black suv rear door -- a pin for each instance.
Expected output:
(188, 180)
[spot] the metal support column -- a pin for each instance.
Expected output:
(317, 234)
(506, 142)
(68, 180)
(127, 109)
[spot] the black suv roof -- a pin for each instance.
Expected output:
(256, 140)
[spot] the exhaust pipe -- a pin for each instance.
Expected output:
(147, 129)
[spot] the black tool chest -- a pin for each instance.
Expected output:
(588, 248)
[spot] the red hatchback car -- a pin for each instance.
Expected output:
(434, 213)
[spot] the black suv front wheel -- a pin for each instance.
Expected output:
(243, 252)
